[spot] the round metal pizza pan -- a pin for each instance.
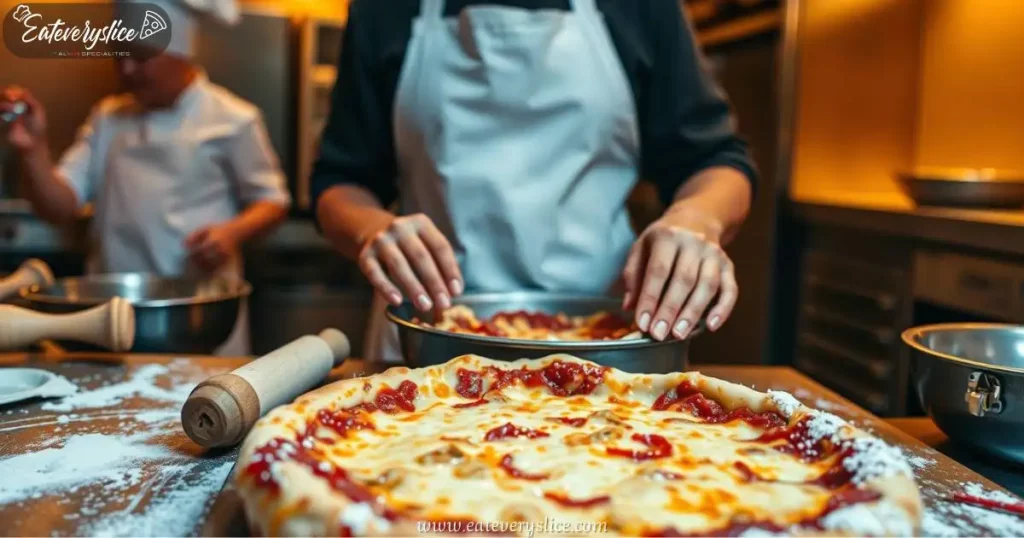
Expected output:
(425, 346)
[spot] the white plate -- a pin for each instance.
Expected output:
(18, 384)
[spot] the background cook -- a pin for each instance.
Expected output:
(181, 172)
(511, 133)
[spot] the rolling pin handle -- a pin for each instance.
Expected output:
(31, 273)
(110, 325)
(339, 344)
(222, 409)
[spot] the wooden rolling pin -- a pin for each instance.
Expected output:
(31, 273)
(221, 410)
(110, 325)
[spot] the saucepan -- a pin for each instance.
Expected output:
(424, 346)
(970, 379)
(172, 315)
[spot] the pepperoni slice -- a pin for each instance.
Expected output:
(658, 447)
(510, 468)
(509, 430)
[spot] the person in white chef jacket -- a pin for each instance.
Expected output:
(179, 170)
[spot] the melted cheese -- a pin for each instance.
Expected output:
(416, 447)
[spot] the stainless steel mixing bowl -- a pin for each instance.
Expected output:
(172, 315)
(970, 379)
(423, 346)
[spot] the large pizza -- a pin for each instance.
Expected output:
(562, 446)
(525, 325)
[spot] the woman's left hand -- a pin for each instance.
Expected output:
(674, 271)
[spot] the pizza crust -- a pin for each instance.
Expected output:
(305, 505)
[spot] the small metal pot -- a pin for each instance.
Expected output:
(172, 315)
(424, 346)
(970, 379)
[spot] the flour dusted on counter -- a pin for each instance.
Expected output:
(947, 518)
(83, 459)
(115, 458)
(171, 514)
(143, 384)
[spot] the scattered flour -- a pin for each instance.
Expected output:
(784, 402)
(83, 459)
(872, 458)
(977, 490)
(917, 462)
(171, 514)
(131, 473)
(824, 425)
(142, 384)
(947, 518)
(878, 519)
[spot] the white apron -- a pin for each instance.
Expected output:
(516, 133)
(143, 216)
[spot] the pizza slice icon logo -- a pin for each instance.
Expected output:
(152, 24)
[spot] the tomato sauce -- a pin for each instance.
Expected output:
(686, 397)
(342, 421)
(390, 400)
(798, 442)
(470, 383)
(658, 447)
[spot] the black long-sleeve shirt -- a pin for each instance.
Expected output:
(685, 121)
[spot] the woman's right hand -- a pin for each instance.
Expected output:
(410, 255)
(28, 132)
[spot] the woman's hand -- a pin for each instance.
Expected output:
(674, 271)
(413, 253)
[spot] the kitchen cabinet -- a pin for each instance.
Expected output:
(853, 303)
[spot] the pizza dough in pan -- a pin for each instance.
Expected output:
(561, 446)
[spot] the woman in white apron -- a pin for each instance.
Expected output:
(515, 137)
(180, 171)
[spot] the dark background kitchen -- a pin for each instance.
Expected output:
(836, 97)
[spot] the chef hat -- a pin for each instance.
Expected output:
(183, 23)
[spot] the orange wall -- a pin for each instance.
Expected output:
(971, 108)
(856, 95)
(335, 9)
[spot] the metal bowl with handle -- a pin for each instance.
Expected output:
(424, 346)
(172, 315)
(970, 379)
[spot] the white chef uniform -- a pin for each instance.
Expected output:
(155, 177)
(517, 134)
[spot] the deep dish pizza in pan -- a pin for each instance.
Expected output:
(561, 446)
(525, 325)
